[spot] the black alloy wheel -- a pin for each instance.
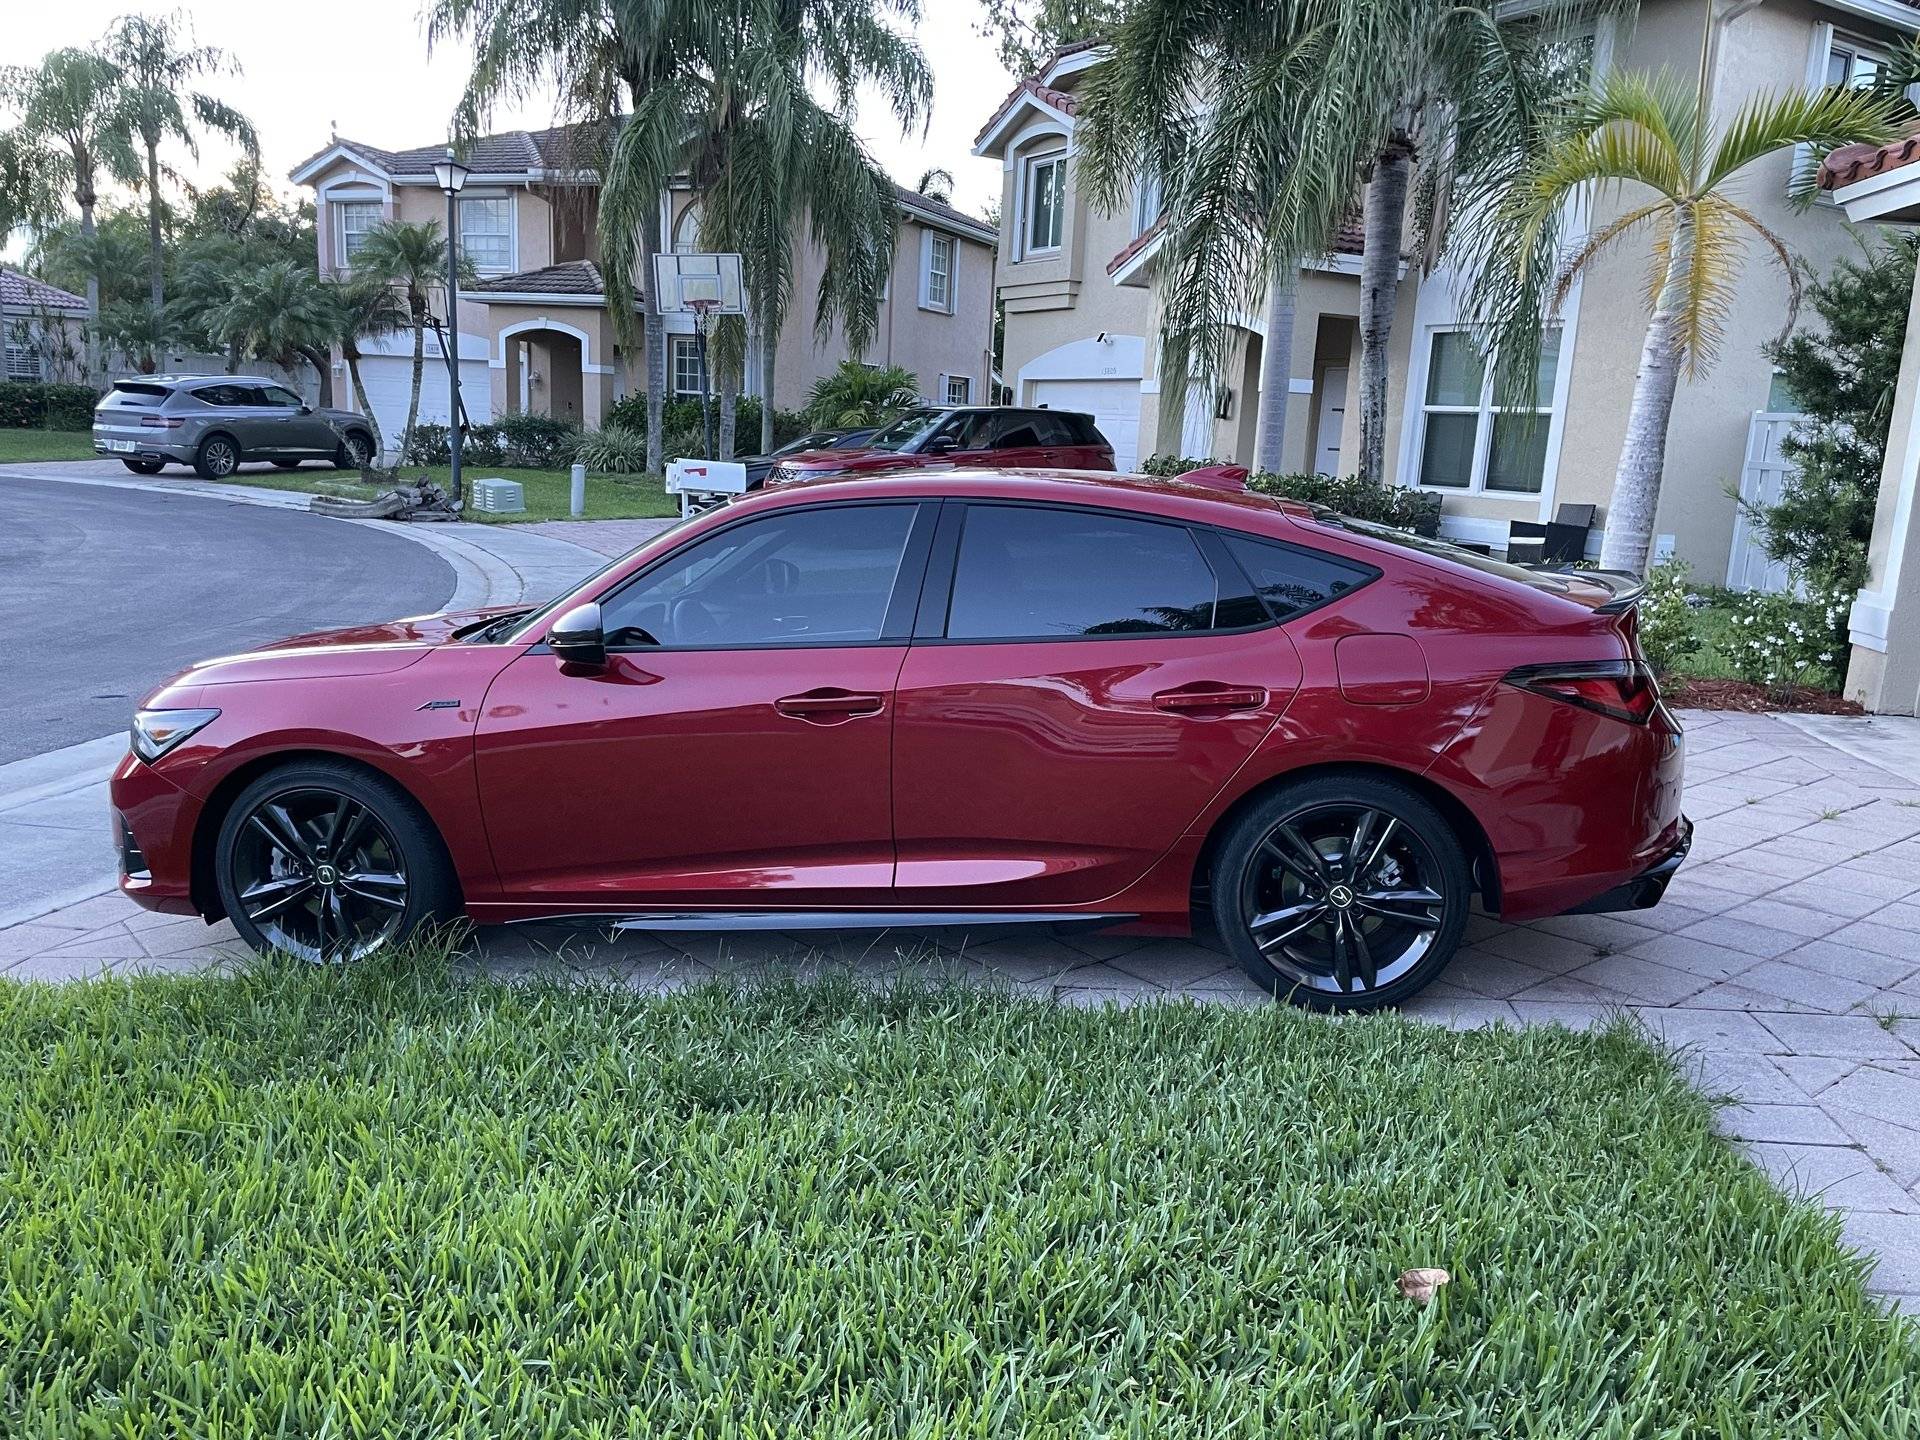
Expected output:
(1342, 893)
(354, 452)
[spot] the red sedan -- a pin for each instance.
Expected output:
(1004, 437)
(944, 698)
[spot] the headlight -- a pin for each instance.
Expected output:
(155, 732)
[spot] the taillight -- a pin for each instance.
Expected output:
(1622, 689)
(162, 422)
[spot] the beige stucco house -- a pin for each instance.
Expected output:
(42, 330)
(535, 332)
(1077, 285)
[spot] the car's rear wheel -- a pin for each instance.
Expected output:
(286, 464)
(354, 452)
(1342, 892)
(329, 863)
(141, 467)
(217, 458)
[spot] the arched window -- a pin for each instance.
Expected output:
(686, 231)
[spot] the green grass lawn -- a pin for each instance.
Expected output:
(19, 445)
(387, 1203)
(549, 493)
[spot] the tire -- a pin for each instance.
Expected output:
(354, 452)
(286, 464)
(1328, 931)
(142, 467)
(329, 862)
(217, 458)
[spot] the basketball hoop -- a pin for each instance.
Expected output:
(703, 286)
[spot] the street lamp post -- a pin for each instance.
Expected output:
(452, 175)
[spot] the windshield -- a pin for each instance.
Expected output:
(529, 623)
(905, 431)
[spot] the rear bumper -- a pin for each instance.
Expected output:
(145, 448)
(1647, 888)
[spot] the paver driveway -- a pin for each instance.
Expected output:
(1786, 959)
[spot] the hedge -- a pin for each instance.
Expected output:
(1400, 506)
(26, 404)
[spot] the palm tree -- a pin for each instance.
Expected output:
(364, 307)
(853, 395)
(412, 258)
(26, 197)
(279, 312)
(935, 183)
(157, 64)
(1265, 119)
(1653, 138)
(66, 133)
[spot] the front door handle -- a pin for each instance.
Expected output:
(1206, 696)
(829, 705)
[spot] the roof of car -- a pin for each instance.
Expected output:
(1088, 487)
(195, 379)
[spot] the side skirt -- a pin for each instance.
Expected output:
(827, 919)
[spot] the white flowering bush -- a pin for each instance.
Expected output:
(1669, 629)
(1785, 640)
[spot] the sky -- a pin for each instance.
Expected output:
(364, 66)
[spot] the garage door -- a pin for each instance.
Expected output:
(389, 378)
(1114, 405)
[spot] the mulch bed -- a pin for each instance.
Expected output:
(1696, 694)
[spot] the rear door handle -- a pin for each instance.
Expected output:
(829, 704)
(1208, 695)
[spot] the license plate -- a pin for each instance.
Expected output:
(123, 447)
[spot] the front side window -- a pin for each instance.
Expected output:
(939, 273)
(686, 365)
(811, 577)
(1028, 573)
(1470, 441)
(959, 390)
(278, 395)
(354, 219)
(1046, 193)
(486, 233)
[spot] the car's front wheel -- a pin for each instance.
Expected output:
(1342, 892)
(330, 862)
(217, 458)
(141, 467)
(354, 452)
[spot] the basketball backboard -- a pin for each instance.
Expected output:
(688, 284)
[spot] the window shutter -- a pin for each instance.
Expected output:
(1819, 45)
(926, 268)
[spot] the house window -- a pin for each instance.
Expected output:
(1853, 64)
(1148, 199)
(1046, 197)
(937, 284)
(353, 220)
(486, 233)
(686, 231)
(959, 390)
(22, 363)
(1469, 440)
(685, 358)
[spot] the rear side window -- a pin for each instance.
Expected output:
(221, 395)
(1083, 430)
(1290, 580)
(1027, 573)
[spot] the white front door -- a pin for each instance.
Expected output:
(1114, 405)
(1330, 415)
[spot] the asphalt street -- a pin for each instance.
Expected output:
(106, 592)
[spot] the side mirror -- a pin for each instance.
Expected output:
(939, 445)
(306, 409)
(576, 638)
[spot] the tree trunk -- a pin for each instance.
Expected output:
(319, 359)
(1276, 376)
(1386, 219)
(156, 255)
(769, 338)
(1643, 454)
(413, 399)
(653, 342)
(85, 197)
(233, 357)
(366, 409)
(729, 414)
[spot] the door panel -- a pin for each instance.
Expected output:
(1056, 773)
(678, 777)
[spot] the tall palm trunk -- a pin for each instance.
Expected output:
(1276, 372)
(419, 367)
(1386, 219)
(351, 354)
(768, 338)
(1643, 454)
(654, 343)
(156, 255)
(729, 415)
(85, 197)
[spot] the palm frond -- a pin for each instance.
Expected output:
(1822, 118)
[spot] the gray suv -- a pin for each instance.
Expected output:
(213, 422)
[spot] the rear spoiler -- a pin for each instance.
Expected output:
(1626, 589)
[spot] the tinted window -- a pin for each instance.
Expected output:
(1055, 428)
(1029, 573)
(278, 395)
(1289, 580)
(222, 395)
(813, 577)
(1014, 430)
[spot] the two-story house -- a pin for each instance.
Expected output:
(1080, 327)
(535, 332)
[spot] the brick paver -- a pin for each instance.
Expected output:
(1784, 963)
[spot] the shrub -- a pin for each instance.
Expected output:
(615, 450)
(1669, 628)
(536, 442)
(1167, 466)
(1400, 506)
(680, 423)
(1782, 640)
(853, 394)
(48, 406)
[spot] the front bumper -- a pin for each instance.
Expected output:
(153, 826)
(1645, 890)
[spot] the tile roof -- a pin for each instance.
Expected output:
(1851, 163)
(569, 277)
(511, 152)
(23, 292)
(1063, 101)
(940, 210)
